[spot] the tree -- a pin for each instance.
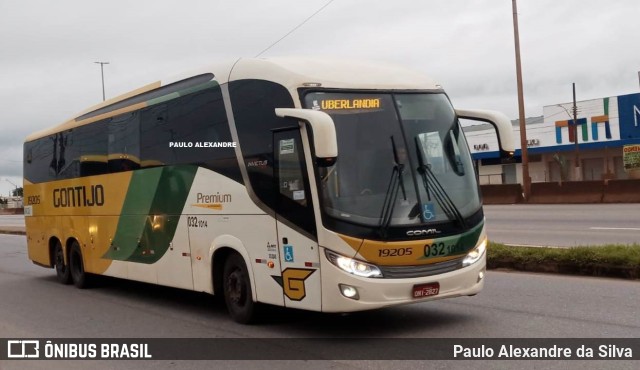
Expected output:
(564, 166)
(17, 192)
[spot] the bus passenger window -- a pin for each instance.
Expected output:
(124, 142)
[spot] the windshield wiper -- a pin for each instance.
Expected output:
(431, 184)
(457, 161)
(395, 183)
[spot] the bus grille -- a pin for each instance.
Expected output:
(404, 272)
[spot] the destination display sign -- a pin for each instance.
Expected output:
(343, 104)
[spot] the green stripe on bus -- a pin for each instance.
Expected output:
(150, 213)
(463, 243)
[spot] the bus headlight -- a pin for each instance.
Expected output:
(353, 266)
(477, 252)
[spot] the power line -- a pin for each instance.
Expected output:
(295, 28)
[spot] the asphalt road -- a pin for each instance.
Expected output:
(11, 220)
(34, 305)
(564, 224)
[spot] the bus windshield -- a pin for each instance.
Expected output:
(402, 160)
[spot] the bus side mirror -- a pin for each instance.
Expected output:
(324, 132)
(499, 121)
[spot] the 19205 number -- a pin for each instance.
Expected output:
(394, 252)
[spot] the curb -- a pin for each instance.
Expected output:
(12, 232)
(615, 261)
(552, 267)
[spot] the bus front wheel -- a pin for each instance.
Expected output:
(237, 290)
(62, 270)
(76, 267)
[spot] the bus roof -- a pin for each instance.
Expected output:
(291, 72)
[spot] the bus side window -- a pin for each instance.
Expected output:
(124, 142)
(254, 103)
(91, 142)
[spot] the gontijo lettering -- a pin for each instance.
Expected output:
(78, 196)
(351, 104)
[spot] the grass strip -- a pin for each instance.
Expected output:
(621, 261)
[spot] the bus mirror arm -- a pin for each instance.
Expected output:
(324, 130)
(499, 121)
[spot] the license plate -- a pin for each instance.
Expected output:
(426, 290)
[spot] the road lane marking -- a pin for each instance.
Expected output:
(616, 228)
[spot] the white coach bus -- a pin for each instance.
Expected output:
(322, 185)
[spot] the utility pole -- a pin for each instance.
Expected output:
(578, 173)
(11, 182)
(526, 180)
(102, 74)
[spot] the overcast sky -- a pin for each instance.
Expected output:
(47, 49)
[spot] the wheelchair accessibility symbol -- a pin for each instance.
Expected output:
(288, 253)
(428, 212)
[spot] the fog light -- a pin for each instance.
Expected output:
(480, 276)
(349, 291)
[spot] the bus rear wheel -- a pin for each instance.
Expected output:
(237, 290)
(62, 270)
(76, 267)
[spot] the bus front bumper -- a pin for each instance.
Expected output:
(372, 293)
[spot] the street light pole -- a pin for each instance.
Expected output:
(578, 173)
(102, 74)
(526, 180)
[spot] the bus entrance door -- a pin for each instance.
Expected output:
(298, 247)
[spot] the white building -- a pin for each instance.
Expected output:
(604, 127)
(11, 202)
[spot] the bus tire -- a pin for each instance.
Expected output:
(62, 270)
(76, 267)
(237, 290)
